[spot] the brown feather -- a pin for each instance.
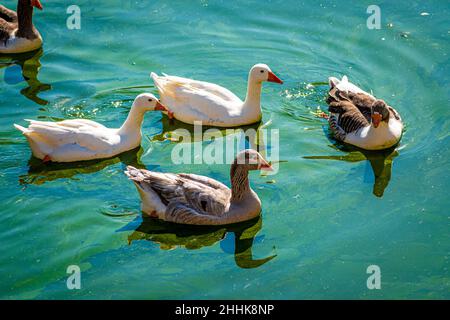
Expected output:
(7, 14)
(350, 117)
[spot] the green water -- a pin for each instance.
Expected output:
(327, 215)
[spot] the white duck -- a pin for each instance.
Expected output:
(213, 105)
(17, 32)
(82, 139)
(199, 200)
(359, 119)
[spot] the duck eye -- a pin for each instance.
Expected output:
(262, 71)
(150, 100)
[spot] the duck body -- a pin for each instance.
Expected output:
(17, 32)
(213, 105)
(384, 137)
(198, 200)
(17, 44)
(359, 119)
(76, 140)
(82, 139)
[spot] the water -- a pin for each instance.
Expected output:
(327, 215)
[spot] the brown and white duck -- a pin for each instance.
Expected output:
(17, 32)
(360, 119)
(199, 200)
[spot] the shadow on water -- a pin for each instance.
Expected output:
(380, 162)
(25, 67)
(170, 236)
(172, 127)
(250, 136)
(39, 172)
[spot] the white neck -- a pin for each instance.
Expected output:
(252, 101)
(133, 122)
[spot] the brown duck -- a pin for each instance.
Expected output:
(17, 32)
(199, 200)
(360, 119)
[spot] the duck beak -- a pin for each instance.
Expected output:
(264, 165)
(376, 119)
(36, 4)
(273, 78)
(159, 106)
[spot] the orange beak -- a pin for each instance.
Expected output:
(273, 78)
(376, 119)
(264, 165)
(36, 4)
(159, 106)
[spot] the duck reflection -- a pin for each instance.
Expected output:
(39, 172)
(380, 162)
(176, 131)
(25, 67)
(170, 236)
(171, 129)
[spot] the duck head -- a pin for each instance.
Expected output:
(148, 102)
(380, 112)
(261, 72)
(251, 160)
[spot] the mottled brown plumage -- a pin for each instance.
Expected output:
(362, 101)
(358, 118)
(350, 117)
(7, 25)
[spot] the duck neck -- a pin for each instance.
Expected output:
(133, 122)
(25, 19)
(240, 185)
(253, 98)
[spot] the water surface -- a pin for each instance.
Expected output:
(327, 215)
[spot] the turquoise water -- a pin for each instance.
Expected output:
(327, 215)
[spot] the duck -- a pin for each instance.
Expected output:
(213, 105)
(192, 199)
(17, 32)
(83, 139)
(359, 119)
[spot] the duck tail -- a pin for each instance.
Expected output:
(21, 129)
(154, 76)
(333, 82)
(158, 82)
(134, 174)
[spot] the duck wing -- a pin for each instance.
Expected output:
(189, 198)
(199, 97)
(346, 117)
(360, 100)
(6, 30)
(85, 133)
(7, 14)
